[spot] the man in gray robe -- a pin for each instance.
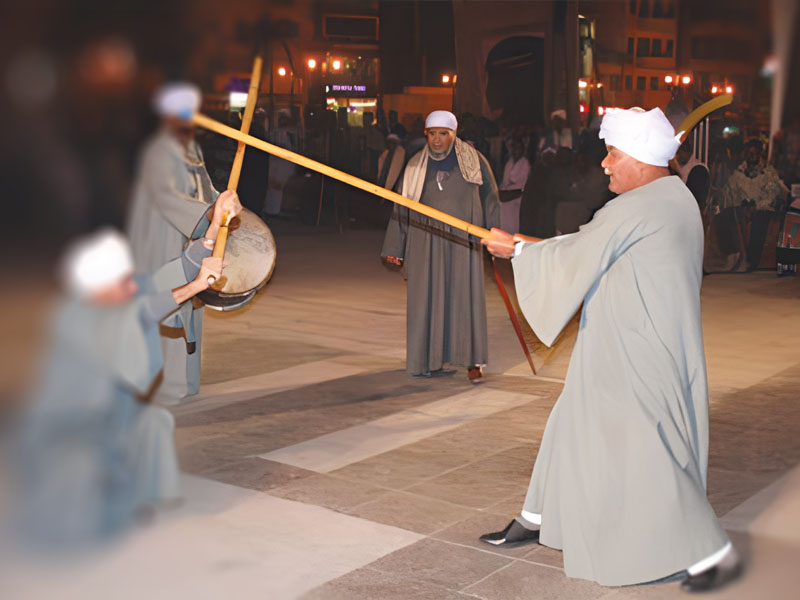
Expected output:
(172, 192)
(446, 303)
(91, 456)
(620, 479)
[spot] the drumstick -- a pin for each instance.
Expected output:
(301, 160)
(236, 168)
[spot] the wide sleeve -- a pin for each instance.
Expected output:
(394, 242)
(490, 197)
(553, 277)
(181, 210)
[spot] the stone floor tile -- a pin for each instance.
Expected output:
(410, 511)
(728, 489)
(523, 581)
(256, 473)
(404, 467)
(512, 505)
(441, 563)
(485, 482)
(369, 584)
(544, 555)
(255, 355)
(330, 492)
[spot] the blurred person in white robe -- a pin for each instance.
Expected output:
(90, 453)
(515, 175)
(172, 193)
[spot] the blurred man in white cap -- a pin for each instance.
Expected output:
(558, 135)
(620, 479)
(172, 193)
(92, 454)
(446, 300)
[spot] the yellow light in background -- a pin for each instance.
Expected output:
(714, 89)
(728, 89)
(282, 71)
(668, 79)
(455, 78)
(686, 80)
(599, 84)
(312, 64)
(336, 64)
(445, 78)
(582, 84)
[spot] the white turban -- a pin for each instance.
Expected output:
(647, 136)
(441, 118)
(95, 262)
(177, 99)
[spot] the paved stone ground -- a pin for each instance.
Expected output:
(317, 468)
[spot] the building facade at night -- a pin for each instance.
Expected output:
(317, 54)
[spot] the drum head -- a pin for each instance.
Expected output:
(250, 259)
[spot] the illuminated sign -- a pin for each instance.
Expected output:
(342, 87)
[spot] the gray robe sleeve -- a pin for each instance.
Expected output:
(116, 339)
(192, 258)
(394, 243)
(553, 277)
(490, 197)
(182, 211)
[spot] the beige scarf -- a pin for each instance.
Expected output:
(469, 163)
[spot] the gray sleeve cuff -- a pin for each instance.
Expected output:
(157, 306)
(193, 257)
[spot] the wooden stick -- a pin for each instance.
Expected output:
(513, 315)
(247, 119)
(700, 113)
(217, 127)
(238, 159)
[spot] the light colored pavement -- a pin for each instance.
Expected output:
(318, 468)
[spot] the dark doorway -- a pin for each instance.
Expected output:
(514, 68)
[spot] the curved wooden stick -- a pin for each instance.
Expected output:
(217, 127)
(236, 168)
(700, 113)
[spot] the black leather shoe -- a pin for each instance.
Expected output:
(712, 579)
(513, 535)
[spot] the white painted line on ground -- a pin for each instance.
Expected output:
(225, 542)
(265, 384)
(341, 448)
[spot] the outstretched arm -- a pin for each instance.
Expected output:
(502, 244)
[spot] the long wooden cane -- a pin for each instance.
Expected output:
(236, 168)
(375, 189)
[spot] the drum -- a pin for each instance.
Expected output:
(250, 259)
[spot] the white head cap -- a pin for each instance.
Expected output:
(647, 136)
(95, 262)
(559, 113)
(441, 118)
(177, 99)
